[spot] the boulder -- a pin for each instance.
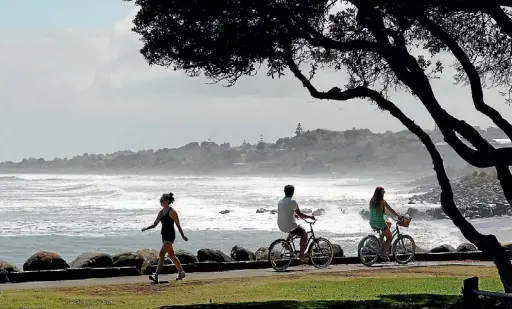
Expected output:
(273, 211)
(261, 254)
(150, 258)
(413, 212)
(223, 212)
(45, 261)
(337, 251)
(186, 257)
(240, 254)
(507, 245)
(92, 260)
(4, 276)
(443, 249)
(8, 267)
(128, 259)
(436, 213)
(365, 214)
(209, 255)
(261, 210)
(319, 212)
(306, 211)
(466, 247)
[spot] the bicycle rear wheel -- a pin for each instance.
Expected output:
(321, 253)
(368, 250)
(403, 249)
(280, 254)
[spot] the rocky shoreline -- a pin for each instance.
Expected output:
(145, 260)
(477, 195)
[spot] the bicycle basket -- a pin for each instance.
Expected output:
(405, 222)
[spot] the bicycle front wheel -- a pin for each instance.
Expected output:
(280, 254)
(321, 253)
(403, 249)
(368, 250)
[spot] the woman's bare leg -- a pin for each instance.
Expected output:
(161, 260)
(176, 262)
(387, 243)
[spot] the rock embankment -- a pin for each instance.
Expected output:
(477, 195)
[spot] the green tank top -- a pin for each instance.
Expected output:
(377, 217)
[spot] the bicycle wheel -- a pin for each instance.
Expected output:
(403, 249)
(280, 254)
(321, 253)
(368, 250)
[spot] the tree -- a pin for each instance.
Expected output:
(298, 130)
(373, 42)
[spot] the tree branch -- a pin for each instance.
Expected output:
(473, 76)
(500, 17)
(487, 243)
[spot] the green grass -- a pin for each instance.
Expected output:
(434, 287)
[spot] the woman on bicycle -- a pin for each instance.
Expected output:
(378, 206)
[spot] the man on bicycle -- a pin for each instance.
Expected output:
(287, 210)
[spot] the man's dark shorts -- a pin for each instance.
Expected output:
(299, 231)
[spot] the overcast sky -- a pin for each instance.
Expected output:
(72, 81)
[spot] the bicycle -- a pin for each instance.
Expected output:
(370, 247)
(284, 251)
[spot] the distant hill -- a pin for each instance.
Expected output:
(306, 153)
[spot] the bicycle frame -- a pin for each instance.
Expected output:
(291, 237)
(393, 234)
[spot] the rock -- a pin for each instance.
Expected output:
(261, 254)
(507, 245)
(186, 257)
(223, 212)
(93, 260)
(319, 212)
(443, 248)
(466, 247)
(413, 212)
(150, 257)
(337, 250)
(273, 211)
(4, 276)
(208, 255)
(261, 210)
(128, 259)
(365, 214)
(436, 213)
(306, 211)
(411, 202)
(45, 261)
(8, 267)
(241, 254)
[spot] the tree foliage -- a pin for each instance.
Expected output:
(375, 42)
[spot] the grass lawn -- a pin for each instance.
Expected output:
(432, 287)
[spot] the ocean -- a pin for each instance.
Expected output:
(73, 214)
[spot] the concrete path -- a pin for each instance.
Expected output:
(227, 274)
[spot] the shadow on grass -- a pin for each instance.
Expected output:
(411, 301)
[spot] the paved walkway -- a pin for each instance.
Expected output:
(226, 274)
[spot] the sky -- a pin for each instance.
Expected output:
(72, 81)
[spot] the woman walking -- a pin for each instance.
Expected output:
(168, 217)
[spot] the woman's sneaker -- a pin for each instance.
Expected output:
(181, 276)
(154, 278)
